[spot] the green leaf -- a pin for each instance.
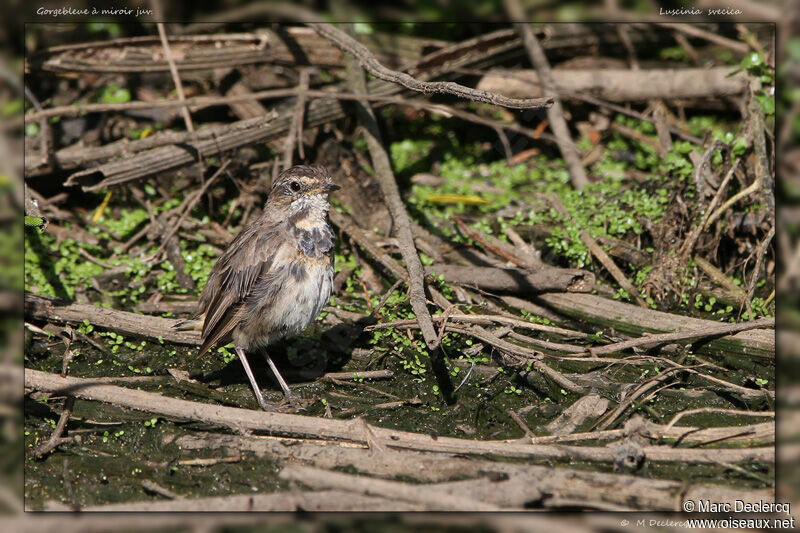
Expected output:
(31, 129)
(114, 94)
(36, 222)
(752, 60)
(766, 102)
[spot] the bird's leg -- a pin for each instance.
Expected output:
(290, 396)
(264, 405)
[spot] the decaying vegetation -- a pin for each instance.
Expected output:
(555, 267)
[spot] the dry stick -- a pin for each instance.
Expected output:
(362, 374)
(761, 253)
(738, 389)
(162, 34)
(54, 310)
(55, 438)
(431, 498)
(722, 329)
(196, 103)
(761, 433)
(555, 113)
(352, 430)
(589, 100)
(508, 347)
(487, 319)
(691, 240)
(295, 130)
(368, 61)
(386, 179)
(606, 421)
(719, 277)
(599, 253)
(469, 232)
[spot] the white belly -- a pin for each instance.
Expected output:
(303, 300)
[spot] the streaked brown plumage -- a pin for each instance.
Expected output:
(276, 275)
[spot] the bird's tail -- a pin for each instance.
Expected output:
(191, 324)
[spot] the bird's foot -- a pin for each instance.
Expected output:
(295, 402)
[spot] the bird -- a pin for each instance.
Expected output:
(275, 277)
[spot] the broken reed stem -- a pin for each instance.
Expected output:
(555, 113)
(162, 34)
(386, 179)
(369, 63)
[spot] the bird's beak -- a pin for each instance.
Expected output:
(327, 188)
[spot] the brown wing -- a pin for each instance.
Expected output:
(249, 257)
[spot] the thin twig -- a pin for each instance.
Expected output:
(368, 61)
(162, 34)
(488, 319)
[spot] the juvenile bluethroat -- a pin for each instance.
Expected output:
(277, 273)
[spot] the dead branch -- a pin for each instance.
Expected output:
(391, 194)
(694, 31)
(714, 331)
(55, 310)
(514, 482)
(56, 438)
(353, 430)
(430, 498)
(324, 500)
(369, 63)
(516, 280)
(295, 136)
(621, 85)
(632, 320)
(487, 320)
(735, 412)
(555, 113)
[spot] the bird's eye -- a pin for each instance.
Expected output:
(294, 186)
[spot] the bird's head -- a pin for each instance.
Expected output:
(301, 186)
